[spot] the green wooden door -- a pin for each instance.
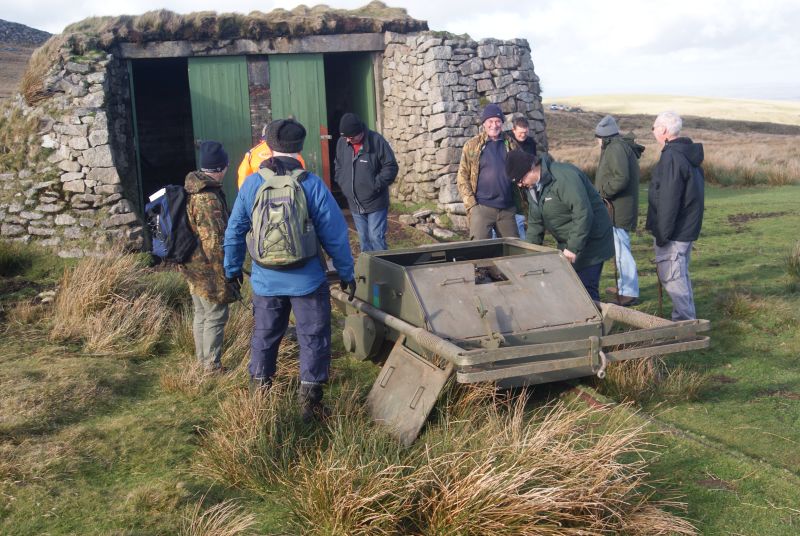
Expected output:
(297, 85)
(363, 87)
(221, 109)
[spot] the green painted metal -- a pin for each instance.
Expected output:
(140, 203)
(297, 85)
(363, 88)
(221, 108)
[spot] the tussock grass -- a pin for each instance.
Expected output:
(26, 312)
(793, 263)
(42, 60)
(222, 519)
(15, 257)
(102, 303)
(486, 465)
(252, 440)
(649, 380)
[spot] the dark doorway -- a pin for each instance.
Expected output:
(163, 115)
(349, 87)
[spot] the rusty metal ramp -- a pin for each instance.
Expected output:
(405, 392)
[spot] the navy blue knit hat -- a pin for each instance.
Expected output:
(492, 110)
(213, 157)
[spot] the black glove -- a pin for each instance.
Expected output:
(345, 285)
(235, 284)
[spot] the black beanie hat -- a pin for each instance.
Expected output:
(213, 157)
(286, 136)
(350, 125)
(519, 163)
(492, 110)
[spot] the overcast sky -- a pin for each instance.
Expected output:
(733, 48)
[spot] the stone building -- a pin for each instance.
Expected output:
(123, 102)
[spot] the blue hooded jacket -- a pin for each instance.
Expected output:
(331, 230)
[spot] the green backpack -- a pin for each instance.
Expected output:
(282, 233)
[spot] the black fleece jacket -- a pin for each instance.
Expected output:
(675, 196)
(365, 178)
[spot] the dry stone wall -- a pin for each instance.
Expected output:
(74, 199)
(434, 89)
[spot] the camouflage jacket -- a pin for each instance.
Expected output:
(208, 217)
(469, 167)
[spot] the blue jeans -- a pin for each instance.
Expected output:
(271, 318)
(590, 277)
(628, 282)
(371, 229)
(520, 219)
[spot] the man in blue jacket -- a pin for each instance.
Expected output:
(302, 288)
(675, 205)
(365, 167)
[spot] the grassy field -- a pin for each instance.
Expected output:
(92, 442)
(768, 111)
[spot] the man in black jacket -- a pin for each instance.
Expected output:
(365, 166)
(675, 210)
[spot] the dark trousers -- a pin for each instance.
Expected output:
(590, 277)
(271, 318)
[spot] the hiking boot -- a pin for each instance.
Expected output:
(627, 301)
(309, 396)
(260, 385)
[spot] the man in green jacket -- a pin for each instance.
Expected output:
(562, 201)
(617, 180)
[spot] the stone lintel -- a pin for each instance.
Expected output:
(280, 45)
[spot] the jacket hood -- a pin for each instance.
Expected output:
(546, 177)
(197, 181)
(631, 141)
(691, 150)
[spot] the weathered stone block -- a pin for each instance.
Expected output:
(73, 233)
(78, 68)
(485, 85)
(69, 166)
(10, 229)
(50, 208)
(438, 53)
(487, 51)
(74, 253)
(72, 130)
(119, 219)
(443, 234)
(79, 144)
(98, 137)
(470, 67)
(72, 176)
(77, 186)
(105, 175)
(65, 219)
(448, 193)
(98, 157)
(25, 214)
(41, 231)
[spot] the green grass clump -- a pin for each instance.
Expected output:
(15, 258)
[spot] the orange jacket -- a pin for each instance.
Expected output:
(252, 160)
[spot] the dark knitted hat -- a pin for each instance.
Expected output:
(519, 163)
(350, 125)
(492, 110)
(286, 136)
(213, 157)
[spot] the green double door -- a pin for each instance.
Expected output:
(297, 89)
(221, 105)
(221, 109)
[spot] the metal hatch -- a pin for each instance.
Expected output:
(540, 290)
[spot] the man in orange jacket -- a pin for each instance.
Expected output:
(253, 158)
